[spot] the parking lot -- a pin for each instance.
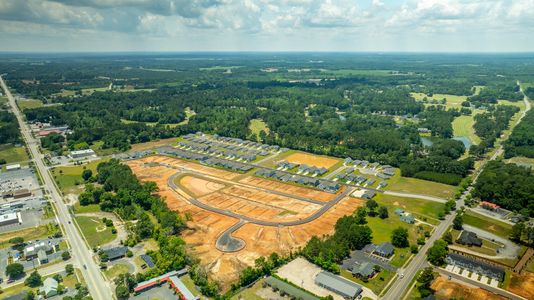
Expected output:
(360, 256)
(11, 181)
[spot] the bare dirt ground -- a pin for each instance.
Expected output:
(311, 160)
(522, 285)
(198, 186)
(446, 289)
(288, 188)
(153, 144)
(206, 226)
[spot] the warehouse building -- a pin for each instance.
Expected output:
(82, 153)
(345, 288)
(10, 218)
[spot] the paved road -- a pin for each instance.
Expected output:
(510, 249)
(463, 279)
(81, 254)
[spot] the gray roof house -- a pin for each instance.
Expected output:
(384, 249)
(116, 252)
(363, 270)
(469, 238)
(407, 218)
(338, 285)
(49, 287)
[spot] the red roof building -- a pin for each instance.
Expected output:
(489, 205)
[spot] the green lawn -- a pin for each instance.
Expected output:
(95, 231)
(419, 207)
(92, 208)
(27, 104)
(188, 282)
(491, 225)
(418, 186)
(116, 270)
(522, 161)
(452, 101)
(463, 126)
(13, 154)
(250, 293)
(376, 284)
(382, 228)
(257, 125)
(69, 177)
(29, 234)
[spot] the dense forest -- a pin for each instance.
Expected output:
(9, 128)
(335, 104)
(521, 141)
(507, 185)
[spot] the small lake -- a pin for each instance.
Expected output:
(427, 142)
(465, 140)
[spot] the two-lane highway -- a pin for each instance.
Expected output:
(98, 287)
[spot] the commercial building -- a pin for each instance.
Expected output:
(13, 167)
(343, 287)
(475, 266)
(173, 279)
(82, 153)
(10, 218)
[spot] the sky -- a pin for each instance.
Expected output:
(267, 25)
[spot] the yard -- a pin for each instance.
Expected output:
(499, 228)
(95, 232)
(418, 186)
(28, 234)
(249, 293)
(13, 154)
(376, 284)
(69, 177)
(91, 208)
(115, 271)
(422, 209)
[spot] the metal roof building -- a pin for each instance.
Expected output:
(338, 285)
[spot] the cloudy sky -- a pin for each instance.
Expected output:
(267, 25)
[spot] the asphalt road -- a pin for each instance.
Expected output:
(81, 254)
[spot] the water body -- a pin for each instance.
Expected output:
(465, 140)
(427, 142)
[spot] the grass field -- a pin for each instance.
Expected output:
(13, 154)
(257, 125)
(3, 100)
(116, 270)
(488, 247)
(477, 220)
(463, 126)
(382, 228)
(92, 208)
(522, 161)
(28, 234)
(249, 293)
(219, 68)
(452, 101)
(92, 90)
(418, 186)
(69, 177)
(357, 72)
(30, 103)
(375, 284)
(419, 207)
(95, 231)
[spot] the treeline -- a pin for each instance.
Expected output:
(507, 185)
(492, 93)
(490, 125)
(439, 120)
(350, 233)
(9, 128)
(521, 141)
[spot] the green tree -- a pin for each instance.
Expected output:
(425, 280)
(437, 253)
(86, 174)
(383, 212)
(447, 237)
(122, 292)
(144, 226)
(517, 231)
(69, 269)
(65, 255)
(14, 270)
(458, 222)
(361, 213)
(34, 280)
(399, 237)
(371, 206)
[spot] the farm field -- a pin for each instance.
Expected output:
(13, 154)
(30, 103)
(95, 232)
(249, 196)
(418, 186)
(477, 220)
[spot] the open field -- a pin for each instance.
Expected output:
(376, 284)
(522, 285)
(30, 103)
(28, 234)
(84, 209)
(463, 126)
(249, 196)
(116, 270)
(418, 186)
(258, 125)
(452, 101)
(153, 144)
(446, 289)
(522, 161)
(477, 220)
(357, 72)
(219, 68)
(13, 154)
(69, 177)
(420, 208)
(312, 160)
(95, 232)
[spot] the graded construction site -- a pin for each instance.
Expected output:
(235, 218)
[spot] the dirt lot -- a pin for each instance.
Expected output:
(522, 285)
(153, 144)
(206, 226)
(446, 289)
(311, 160)
(288, 188)
(198, 186)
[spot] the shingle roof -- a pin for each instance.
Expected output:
(339, 285)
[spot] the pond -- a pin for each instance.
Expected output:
(465, 140)
(427, 142)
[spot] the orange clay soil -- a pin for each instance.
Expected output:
(311, 160)
(446, 289)
(199, 186)
(522, 285)
(205, 226)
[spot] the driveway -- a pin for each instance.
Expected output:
(510, 249)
